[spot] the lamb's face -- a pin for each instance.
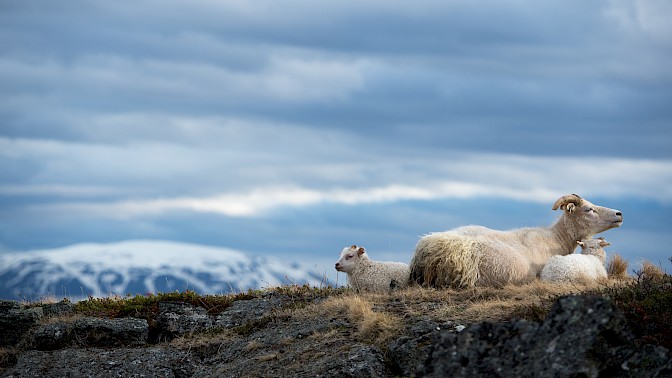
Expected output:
(350, 257)
(594, 247)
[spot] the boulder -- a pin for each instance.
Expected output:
(92, 332)
(176, 319)
(16, 321)
(103, 363)
(244, 311)
(581, 336)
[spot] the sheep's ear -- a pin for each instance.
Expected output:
(361, 251)
(604, 243)
(568, 203)
(581, 244)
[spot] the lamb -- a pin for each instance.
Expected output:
(585, 267)
(365, 274)
(478, 256)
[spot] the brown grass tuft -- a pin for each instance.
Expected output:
(617, 267)
(204, 340)
(252, 346)
(268, 357)
(650, 271)
(373, 326)
(530, 301)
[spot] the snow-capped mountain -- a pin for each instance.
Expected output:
(141, 267)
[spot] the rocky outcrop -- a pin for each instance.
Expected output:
(581, 336)
(16, 321)
(152, 362)
(92, 332)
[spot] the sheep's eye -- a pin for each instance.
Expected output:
(588, 210)
(348, 257)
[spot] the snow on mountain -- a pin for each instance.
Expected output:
(140, 267)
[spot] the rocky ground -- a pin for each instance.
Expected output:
(298, 331)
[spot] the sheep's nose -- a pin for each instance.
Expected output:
(619, 213)
(337, 265)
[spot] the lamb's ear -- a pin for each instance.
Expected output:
(581, 244)
(604, 243)
(568, 202)
(361, 251)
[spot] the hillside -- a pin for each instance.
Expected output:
(140, 267)
(615, 328)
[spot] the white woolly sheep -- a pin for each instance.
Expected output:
(476, 255)
(365, 274)
(585, 267)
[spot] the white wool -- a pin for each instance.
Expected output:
(587, 266)
(365, 274)
(573, 268)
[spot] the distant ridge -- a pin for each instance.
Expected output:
(141, 267)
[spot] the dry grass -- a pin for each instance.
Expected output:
(49, 299)
(377, 318)
(529, 301)
(650, 271)
(646, 301)
(68, 318)
(203, 340)
(371, 326)
(268, 357)
(252, 346)
(617, 267)
(332, 334)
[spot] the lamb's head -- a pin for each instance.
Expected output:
(594, 247)
(585, 218)
(350, 257)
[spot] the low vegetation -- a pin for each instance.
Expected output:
(376, 318)
(646, 301)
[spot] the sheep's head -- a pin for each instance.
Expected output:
(585, 218)
(594, 247)
(350, 257)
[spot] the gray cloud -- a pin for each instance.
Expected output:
(134, 119)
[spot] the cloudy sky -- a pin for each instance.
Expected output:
(296, 128)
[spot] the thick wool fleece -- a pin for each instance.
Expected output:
(378, 276)
(573, 268)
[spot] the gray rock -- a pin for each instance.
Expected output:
(178, 319)
(111, 332)
(53, 336)
(16, 321)
(365, 361)
(102, 363)
(581, 336)
(357, 361)
(407, 353)
(62, 308)
(244, 311)
(92, 332)
(6, 305)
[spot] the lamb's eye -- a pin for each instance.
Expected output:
(348, 257)
(588, 210)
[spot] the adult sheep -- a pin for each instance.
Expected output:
(588, 266)
(478, 256)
